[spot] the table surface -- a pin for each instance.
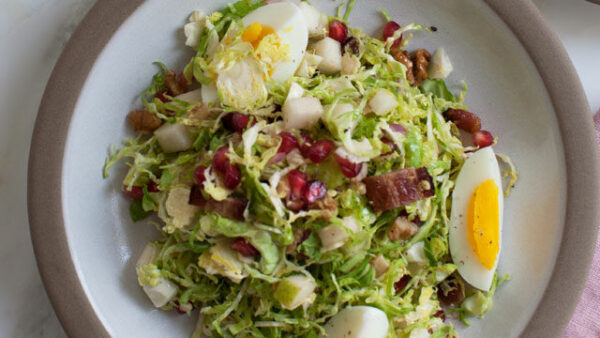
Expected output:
(32, 35)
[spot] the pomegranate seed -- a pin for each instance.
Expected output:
(240, 245)
(402, 283)
(232, 176)
(440, 314)
(220, 160)
(338, 30)
(161, 96)
(389, 29)
(289, 142)
(320, 150)
(136, 192)
(398, 128)
(196, 197)
(237, 122)
(152, 187)
(315, 190)
(482, 138)
(307, 142)
(199, 177)
(348, 168)
(390, 144)
(297, 181)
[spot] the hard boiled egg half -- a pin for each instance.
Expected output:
(475, 234)
(279, 35)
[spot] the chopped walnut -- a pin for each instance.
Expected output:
(402, 229)
(300, 236)
(144, 120)
(402, 57)
(328, 205)
(421, 58)
(174, 86)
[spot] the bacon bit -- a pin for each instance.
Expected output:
(463, 119)
(402, 283)
(173, 85)
(398, 188)
(231, 207)
(246, 249)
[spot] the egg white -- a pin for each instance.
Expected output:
(480, 167)
(289, 24)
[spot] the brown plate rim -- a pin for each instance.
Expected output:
(52, 250)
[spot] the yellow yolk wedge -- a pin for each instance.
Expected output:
(255, 33)
(483, 223)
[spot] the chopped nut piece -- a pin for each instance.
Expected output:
(402, 229)
(328, 205)
(420, 58)
(173, 85)
(402, 56)
(380, 265)
(463, 119)
(283, 187)
(144, 120)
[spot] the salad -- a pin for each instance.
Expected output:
(311, 180)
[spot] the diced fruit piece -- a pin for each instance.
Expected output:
(463, 119)
(383, 102)
(289, 142)
(402, 283)
(194, 96)
(320, 150)
(416, 253)
(482, 138)
(199, 176)
(357, 322)
(237, 122)
(316, 21)
(333, 237)
(348, 168)
(331, 52)
(440, 66)
(309, 65)
(295, 91)
(350, 64)
(220, 160)
(338, 30)
(209, 93)
(161, 293)
(380, 264)
(301, 112)
(314, 191)
(173, 137)
(243, 247)
(294, 291)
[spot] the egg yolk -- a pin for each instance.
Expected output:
(483, 223)
(255, 33)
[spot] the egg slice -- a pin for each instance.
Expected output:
(358, 322)
(279, 34)
(475, 234)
